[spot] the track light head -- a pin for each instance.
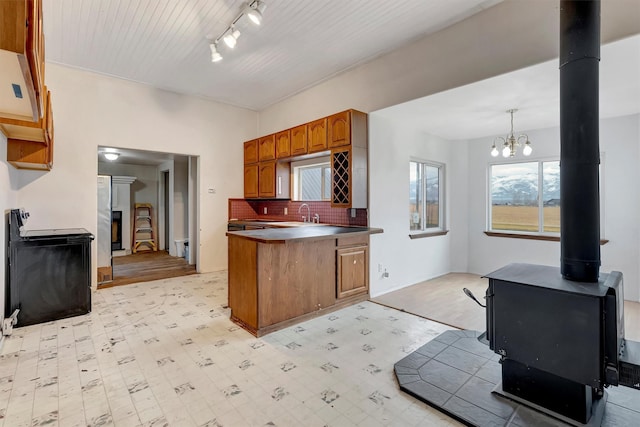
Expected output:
(232, 37)
(215, 55)
(255, 11)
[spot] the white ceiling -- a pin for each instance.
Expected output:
(300, 43)
(479, 109)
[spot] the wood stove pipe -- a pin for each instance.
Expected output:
(579, 140)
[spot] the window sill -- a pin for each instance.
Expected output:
(428, 234)
(532, 236)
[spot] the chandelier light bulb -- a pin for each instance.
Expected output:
(511, 143)
(506, 151)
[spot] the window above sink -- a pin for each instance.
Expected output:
(311, 179)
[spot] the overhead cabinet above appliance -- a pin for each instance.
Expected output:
(26, 117)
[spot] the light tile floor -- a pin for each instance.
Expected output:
(164, 353)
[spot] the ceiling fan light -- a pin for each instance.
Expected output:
(111, 156)
(232, 38)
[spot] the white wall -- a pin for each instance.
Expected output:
(511, 35)
(92, 110)
(181, 201)
(487, 44)
(8, 200)
(391, 146)
(144, 189)
(619, 143)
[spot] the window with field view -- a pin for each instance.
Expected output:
(525, 197)
(426, 202)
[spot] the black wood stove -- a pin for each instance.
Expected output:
(560, 331)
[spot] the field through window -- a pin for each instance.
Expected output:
(525, 197)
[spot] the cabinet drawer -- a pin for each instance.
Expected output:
(353, 240)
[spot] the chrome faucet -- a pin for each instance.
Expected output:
(308, 217)
(316, 218)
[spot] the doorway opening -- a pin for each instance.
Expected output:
(168, 183)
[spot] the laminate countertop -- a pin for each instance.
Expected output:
(293, 234)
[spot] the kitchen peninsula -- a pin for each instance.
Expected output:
(281, 276)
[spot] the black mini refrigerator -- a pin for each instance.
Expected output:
(48, 272)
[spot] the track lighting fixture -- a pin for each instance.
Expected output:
(253, 10)
(232, 37)
(215, 55)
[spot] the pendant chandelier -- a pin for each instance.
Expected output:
(510, 144)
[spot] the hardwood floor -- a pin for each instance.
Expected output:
(147, 266)
(442, 300)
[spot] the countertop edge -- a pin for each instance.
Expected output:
(247, 236)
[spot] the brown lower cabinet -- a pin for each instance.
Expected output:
(274, 285)
(352, 261)
(353, 271)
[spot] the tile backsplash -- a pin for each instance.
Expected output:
(254, 209)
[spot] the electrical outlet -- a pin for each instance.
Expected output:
(286, 211)
(385, 274)
(212, 191)
(353, 213)
(379, 267)
(264, 210)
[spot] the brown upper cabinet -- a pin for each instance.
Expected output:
(317, 135)
(251, 152)
(23, 72)
(26, 117)
(299, 140)
(344, 134)
(283, 144)
(273, 180)
(30, 144)
(349, 176)
(251, 181)
(267, 148)
(339, 132)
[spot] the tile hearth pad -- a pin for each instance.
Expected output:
(456, 374)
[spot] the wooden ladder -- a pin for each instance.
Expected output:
(143, 228)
